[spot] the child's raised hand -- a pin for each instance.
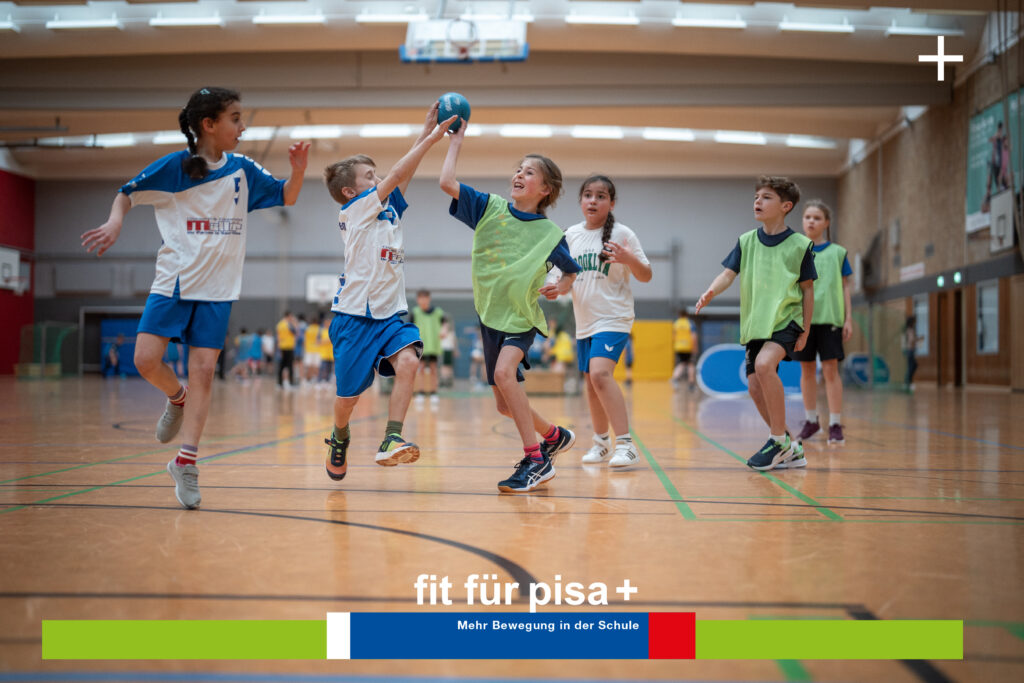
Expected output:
(440, 129)
(618, 253)
(298, 155)
(704, 300)
(101, 238)
(431, 121)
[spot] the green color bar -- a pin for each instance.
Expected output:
(839, 639)
(207, 639)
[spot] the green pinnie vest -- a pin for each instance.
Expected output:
(509, 266)
(770, 295)
(829, 305)
(430, 329)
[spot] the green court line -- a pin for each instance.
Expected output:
(775, 480)
(793, 670)
(1014, 627)
(673, 492)
(863, 521)
(238, 451)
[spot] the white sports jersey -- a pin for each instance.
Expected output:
(373, 284)
(202, 222)
(601, 296)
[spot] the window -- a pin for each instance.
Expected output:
(988, 317)
(921, 327)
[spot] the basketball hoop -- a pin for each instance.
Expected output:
(461, 37)
(16, 282)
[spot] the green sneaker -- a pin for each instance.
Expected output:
(394, 450)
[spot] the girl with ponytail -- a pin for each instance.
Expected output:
(609, 253)
(201, 197)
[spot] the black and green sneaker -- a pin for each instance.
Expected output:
(394, 450)
(771, 455)
(337, 467)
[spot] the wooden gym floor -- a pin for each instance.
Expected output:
(919, 515)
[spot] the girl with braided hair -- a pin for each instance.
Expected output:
(201, 198)
(609, 253)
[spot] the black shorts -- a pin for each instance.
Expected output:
(786, 338)
(683, 356)
(495, 339)
(429, 358)
(824, 341)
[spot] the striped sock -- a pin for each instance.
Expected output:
(551, 436)
(187, 455)
(533, 452)
(179, 397)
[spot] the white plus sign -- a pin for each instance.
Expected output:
(626, 589)
(941, 58)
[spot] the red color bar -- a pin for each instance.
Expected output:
(671, 635)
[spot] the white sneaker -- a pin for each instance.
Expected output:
(186, 483)
(599, 452)
(434, 400)
(170, 422)
(625, 455)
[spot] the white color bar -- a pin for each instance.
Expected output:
(339, 635)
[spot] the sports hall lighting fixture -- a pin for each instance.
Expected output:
(168, 137)
(303, 132)
(597, 132)
(683, 22)
(808, 142)
(289, 19)
(895, 30)
(385, 130)
(602, 20)
(787, 25)
(367, 17)
(670, 134)
(115, 140)
(9, 25)
(740, 137)
(526, 18)
(58, 24)
(258, 133)
(520, 130)
(160, 21)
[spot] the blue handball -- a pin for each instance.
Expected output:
(453, 103)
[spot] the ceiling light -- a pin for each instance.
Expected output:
(289, 19)
(787, 25)
(597, 132)
(739, 137)
(58, 24)
(9, 25)
(259, 133)
(366, 17)
(115, 140)
(520, 130)
(620, 20)
(895, 30)
(161, 21)
(386, 130)
(303, 132)
(736, 23)
(673, 134)
(469, 16)
(808, 142)
(169, 137)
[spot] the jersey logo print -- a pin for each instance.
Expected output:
(608, 347)
(388, 214)
(392, 255)
(238, 186)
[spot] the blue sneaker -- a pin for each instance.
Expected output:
(529, 475)
(337, 467)
(563, 442)
(771, 455)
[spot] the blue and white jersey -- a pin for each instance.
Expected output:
(373, 284)
(202, 222)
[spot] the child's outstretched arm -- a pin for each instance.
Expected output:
(848, 320)
(718, 285)
(103, 237)
(449, 183)
(298, 155)
(402, 172)
(808, 291)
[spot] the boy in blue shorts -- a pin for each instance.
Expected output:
(368, 333)
(776, 306)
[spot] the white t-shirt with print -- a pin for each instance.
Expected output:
(601, 296)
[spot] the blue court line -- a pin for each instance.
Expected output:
(940, 432)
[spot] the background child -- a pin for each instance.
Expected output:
(830, 326)
(368, 333)
(608, 252)
(427, 318)
(512, 244)
(776, 291)
(684, 343)
(202, 197)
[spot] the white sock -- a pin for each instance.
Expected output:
(781, 438)
(625, 438)
(601, 437)
(833, 419)
(812, 415)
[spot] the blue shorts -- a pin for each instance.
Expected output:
(601, 345)
(495, 339)
(195, 323)
(363, 345)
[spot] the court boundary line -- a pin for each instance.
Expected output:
(685, 510)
